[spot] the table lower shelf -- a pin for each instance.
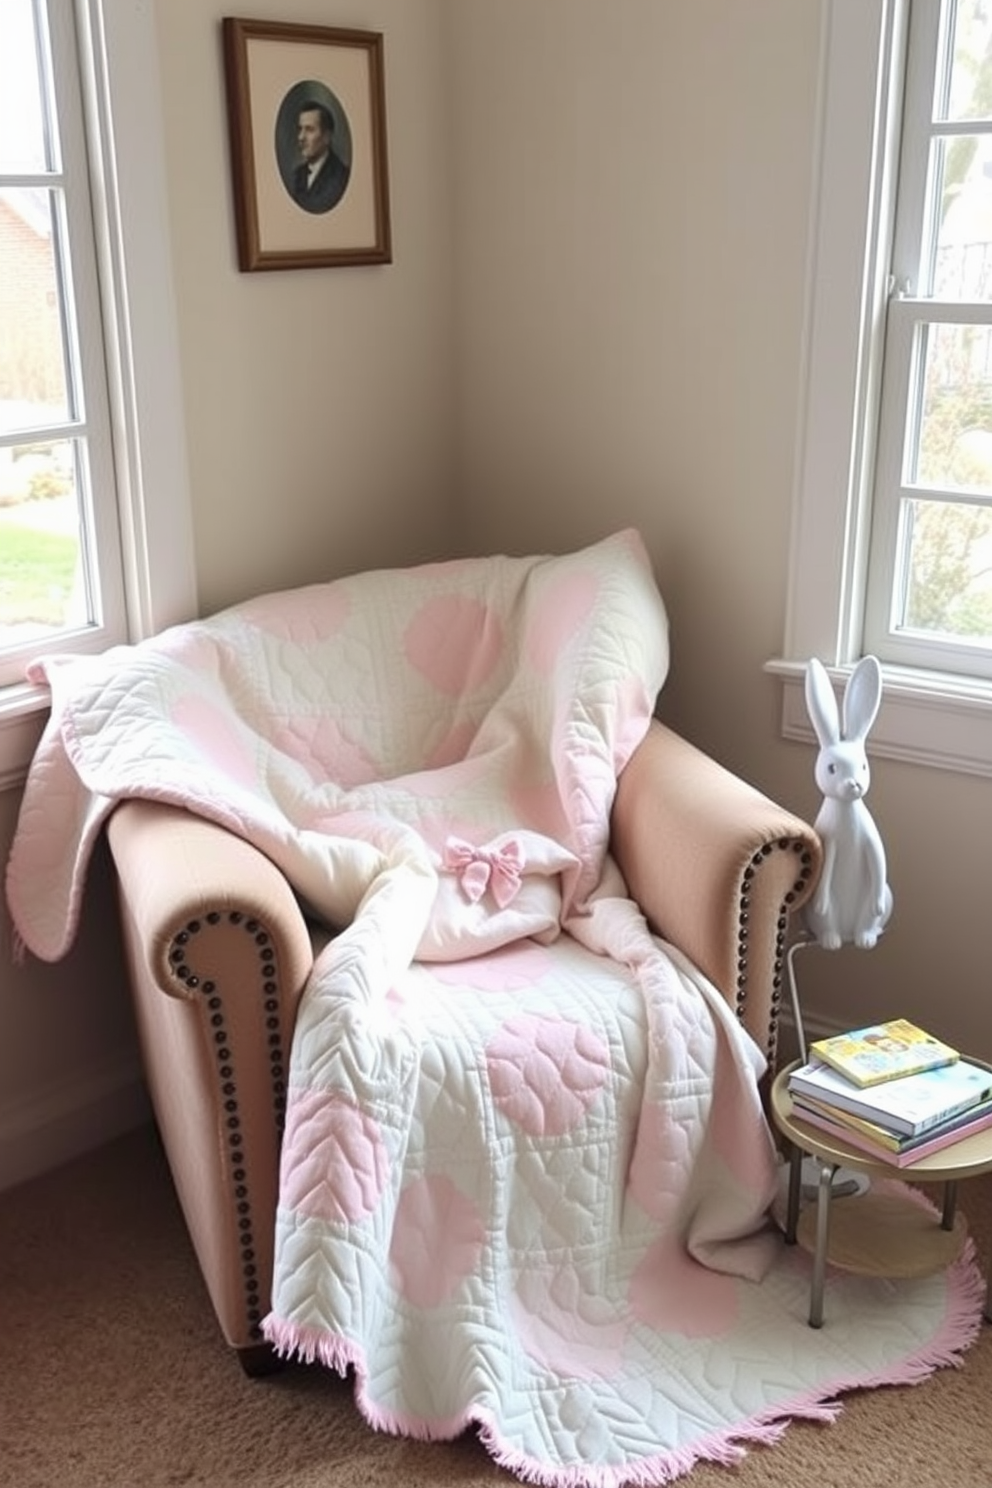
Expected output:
(884, 1234)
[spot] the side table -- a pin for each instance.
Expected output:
(874, 1234)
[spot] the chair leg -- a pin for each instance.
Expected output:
(259, 1360)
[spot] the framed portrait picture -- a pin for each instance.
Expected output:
(307, 114)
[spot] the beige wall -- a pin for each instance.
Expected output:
(631, 253)
(594, 319)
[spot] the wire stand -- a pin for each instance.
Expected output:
(805, 939)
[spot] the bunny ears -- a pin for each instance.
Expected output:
(862, 697)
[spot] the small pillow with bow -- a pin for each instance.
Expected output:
(494, 893)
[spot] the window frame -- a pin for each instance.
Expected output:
(122, 101)
(927, 717)
(915, 304)
(97, 615)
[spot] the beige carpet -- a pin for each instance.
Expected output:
(113, 1373)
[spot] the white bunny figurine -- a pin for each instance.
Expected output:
(852, 901)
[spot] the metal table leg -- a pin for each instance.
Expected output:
(823, 1196)
(950, 1204)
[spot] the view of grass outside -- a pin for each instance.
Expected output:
(37, 572)
(39, 540)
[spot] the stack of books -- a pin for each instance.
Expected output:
(892, 1091)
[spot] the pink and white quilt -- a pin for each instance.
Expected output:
(524, 1147)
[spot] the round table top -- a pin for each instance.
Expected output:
(965, 1158)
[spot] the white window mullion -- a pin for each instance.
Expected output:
(900, 345)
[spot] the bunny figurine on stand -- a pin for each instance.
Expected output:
(852, 901)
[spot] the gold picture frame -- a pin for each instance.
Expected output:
(307, 118)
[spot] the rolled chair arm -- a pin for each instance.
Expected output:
(219, 953)
(178, 870)
(717, 867)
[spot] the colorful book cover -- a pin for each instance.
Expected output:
(883, 1051)
(908, 1105)
(914, 1149)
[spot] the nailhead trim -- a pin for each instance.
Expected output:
(178, 960)
(784, 844)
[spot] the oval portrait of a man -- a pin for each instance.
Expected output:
(313, 146)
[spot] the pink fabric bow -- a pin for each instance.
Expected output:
(481, 868)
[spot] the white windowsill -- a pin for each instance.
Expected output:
(926, 718)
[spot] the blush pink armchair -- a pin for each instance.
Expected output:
(219, 952)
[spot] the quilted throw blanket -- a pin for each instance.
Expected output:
(520, 1130)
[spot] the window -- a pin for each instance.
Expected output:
(95, 535)
(61, 575)
(929, 599)
(892, 534)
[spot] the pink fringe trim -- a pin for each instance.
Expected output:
(958, 1330)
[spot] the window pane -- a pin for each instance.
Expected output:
(42, 584)
(955, 446)
(22, 131)
(969, 94)
(61, 572)
(947, 588)
(962, 182)
(32, 368)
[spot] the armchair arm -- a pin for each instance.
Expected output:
(717, 868)
(218, 953)
(176, 869)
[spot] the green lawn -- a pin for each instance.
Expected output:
(36, 575)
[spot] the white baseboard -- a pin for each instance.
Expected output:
(63, 1121)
